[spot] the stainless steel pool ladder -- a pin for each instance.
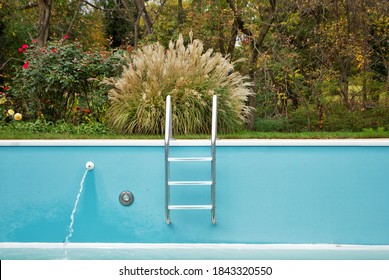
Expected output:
(211, 159)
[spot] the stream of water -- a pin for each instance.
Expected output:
(70, 227)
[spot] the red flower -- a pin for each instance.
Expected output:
(6, 88)
(20, 50)
(66, 37)
(25, 65)
(54, 50)
(33, 41)
(24, 46)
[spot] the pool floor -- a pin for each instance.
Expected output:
(128, 251)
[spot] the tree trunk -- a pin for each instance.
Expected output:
(387, 77)
(256, 46)
(180, 14)
(232, 42)
(221, 41)
(198, 4)
(146, 18)
(344, 83)
(44, 21)
(136, 31)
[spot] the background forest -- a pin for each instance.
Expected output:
(315, 65)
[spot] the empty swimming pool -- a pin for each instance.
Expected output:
(275, 199)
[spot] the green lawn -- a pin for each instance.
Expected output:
(89, 133)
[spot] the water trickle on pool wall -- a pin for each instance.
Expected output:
(89, 166)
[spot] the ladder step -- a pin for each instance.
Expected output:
(190, 183)
(189, 159)
(190, 207)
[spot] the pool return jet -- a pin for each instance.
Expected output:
(211, 159)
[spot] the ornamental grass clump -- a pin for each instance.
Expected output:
(191, 76)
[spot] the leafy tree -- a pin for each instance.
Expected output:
(120, 19)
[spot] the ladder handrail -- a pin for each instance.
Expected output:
(168, 121)
(214, 120)
(213, 152)
(168, 137)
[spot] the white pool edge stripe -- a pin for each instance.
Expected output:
(198, 142)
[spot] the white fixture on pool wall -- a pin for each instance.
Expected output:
(90, 165)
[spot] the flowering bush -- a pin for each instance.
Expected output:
(9, 115)
(63, 82)
(15, 116)
(6, 114)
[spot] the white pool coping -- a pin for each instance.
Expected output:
(199, 142)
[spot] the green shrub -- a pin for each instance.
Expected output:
(41, 126)
(191, 76)
(303, 119)
(63, 82)
(279, 124)
(339, 118)
(336, 118)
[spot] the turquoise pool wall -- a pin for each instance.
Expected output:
(265, 194)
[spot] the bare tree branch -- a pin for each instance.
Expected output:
(29, 6)
(74, 16)
(158, 13)
(8, 60)
(95, 6)
(238, 19)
